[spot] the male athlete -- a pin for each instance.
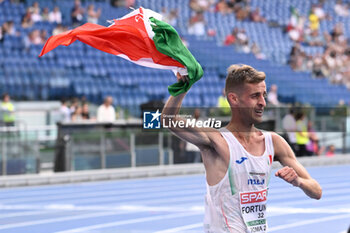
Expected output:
(238, 157)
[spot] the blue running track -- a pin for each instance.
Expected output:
(167, 204)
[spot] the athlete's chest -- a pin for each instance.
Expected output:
(255, 147)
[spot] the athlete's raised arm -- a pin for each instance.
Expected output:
(201, 137)
(293, 172)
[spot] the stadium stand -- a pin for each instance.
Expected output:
(83, 71)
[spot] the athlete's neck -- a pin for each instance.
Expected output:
(242, 131)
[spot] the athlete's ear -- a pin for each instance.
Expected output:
(232, 98)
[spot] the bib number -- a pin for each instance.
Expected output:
(253, 210)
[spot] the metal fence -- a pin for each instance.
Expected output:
(20, 148)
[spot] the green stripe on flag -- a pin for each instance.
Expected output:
(168, 42)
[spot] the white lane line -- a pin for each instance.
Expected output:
(126, 222)
(81, 188)
(26, 213)
(307, 222)
(274, 210)
(181, 229)
(156, 199)
(295, 194)
(324, 200)
(55, 219)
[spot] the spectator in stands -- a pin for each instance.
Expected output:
(337, 31)
(223, 105)
(334, 63)
(327, 38)
(302, 136)
(77, 14)
(106, 112)
(35, 7)
(92, 15)
(8, 110)
(123, 3)
(331, 151)
(232, 6)
(43, 36)
(55, 16)
(77, 114)
(314, 20)
(33, 38)
(27, 21)
(8, 28)
(289, 127)
(242, 44)
(74, 104)
(341, 9)
(36, 16)
(85, 112)
(313, 147)
(255, 16)
(222, 7)
(296, 33)
(197, 25)
(257, 52)
(330, 62)
(200, 6)
(314, 39)
(242, 12)
(59, 29)
(318, 67)
(46, 14)
(242, 37)
(245, 48)
(298, 60)
(171, 17)
(319, 11)
(272, 96)
(64, 112)
(129, 3)
(231, 38)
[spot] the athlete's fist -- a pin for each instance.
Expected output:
(289, 174)
(181, 78)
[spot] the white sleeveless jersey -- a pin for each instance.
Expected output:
(237, 204)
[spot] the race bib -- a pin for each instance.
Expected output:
(253, 210)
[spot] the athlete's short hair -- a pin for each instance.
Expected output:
(237, 75)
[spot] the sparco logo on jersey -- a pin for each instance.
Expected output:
(253, 197)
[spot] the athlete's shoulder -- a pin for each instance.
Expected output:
(276, 138)
(281, 146)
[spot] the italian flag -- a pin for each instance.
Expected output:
(140, 37)
(294, 16)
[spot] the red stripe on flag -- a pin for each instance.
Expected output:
(127, 36)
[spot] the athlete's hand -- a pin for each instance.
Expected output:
(181, 78)
(289, 174)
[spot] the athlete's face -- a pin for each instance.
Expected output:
(251, 102)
